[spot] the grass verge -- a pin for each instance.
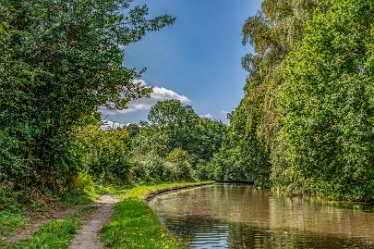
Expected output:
(56, 234)
(134, 225)
(147, 191)
(10, 221)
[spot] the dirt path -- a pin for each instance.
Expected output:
(87, 237)
(29, 230)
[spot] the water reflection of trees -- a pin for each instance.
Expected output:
(253, 218)
(201, 232)
(241, 236)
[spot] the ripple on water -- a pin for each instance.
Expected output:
(240, 216)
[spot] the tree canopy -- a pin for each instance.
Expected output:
(59, 61)
(326, 115)
(307, 112)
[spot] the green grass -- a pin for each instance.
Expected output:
(55, 235)
(134, 225)
(10, 221)
(143, 192)
(73, 198)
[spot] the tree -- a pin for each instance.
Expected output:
(104, 154)
(326, 115)
(184, 129)
(242, 157)
(171, 113)
(252, 136)
(273, 33)
(61, 60)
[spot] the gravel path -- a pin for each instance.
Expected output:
(87, 237)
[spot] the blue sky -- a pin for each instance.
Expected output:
(196, 60)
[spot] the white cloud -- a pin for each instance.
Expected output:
(107, 124)
(142, 104)
(160, 93)
(208, 115)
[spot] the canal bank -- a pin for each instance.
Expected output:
(135, 225)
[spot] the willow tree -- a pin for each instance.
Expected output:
(59, 61)
(327, 101)
(242, 157)
(273, 33)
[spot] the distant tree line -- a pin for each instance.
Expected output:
(174, 145)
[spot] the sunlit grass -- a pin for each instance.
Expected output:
(145, 191)
(134, 225)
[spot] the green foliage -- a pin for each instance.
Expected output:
(308, 102)
(273, 32)
(59, 61)
(326, 118)
(149, 170)
(182, 171)
(203, 172)
(83, 190)
(178, 155)
(170, 148)
(104, 153)
(177, 126)
(242, 158)
(56, 234)
(252, 136)
(10, 221)
(9, 200)
(171, 113)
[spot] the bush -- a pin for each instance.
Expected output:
(155, 170)
(179, 155)
(9, 200)
(83, 182)
(182, 171)
(203, 171)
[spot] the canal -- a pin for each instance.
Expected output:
(241, 216)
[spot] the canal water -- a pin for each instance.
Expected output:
(241, 216)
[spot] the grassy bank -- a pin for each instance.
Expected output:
(19, 214)
(134, 225)
(145, 192)
(9, 221)
(56, 234)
